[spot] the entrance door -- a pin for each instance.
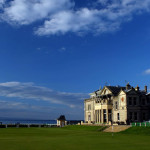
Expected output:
(109, 115)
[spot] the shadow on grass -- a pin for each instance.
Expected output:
(85, 128)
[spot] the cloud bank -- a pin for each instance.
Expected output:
(26, 110)
(105, 16)
(31, 91)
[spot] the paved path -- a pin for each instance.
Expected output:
(117, 128)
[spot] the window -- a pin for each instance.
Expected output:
(148, 100)
(89, 107)
(104, 110)
(109, 101)
(109, 115)
(116, 105)
(97, 101)
(130, 116)
(134, 101)
(135, 116)
(130, 101)
(144, 116)
(89, 117)
(118, 116)
(109, 111)
(143, 101)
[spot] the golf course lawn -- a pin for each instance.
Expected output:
(74, 138)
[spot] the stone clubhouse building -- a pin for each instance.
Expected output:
(117, 105)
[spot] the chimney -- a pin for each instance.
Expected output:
(128, 86)
(146, 89)
(137, 88)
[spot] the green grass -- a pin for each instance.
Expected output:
(73, 138)
(137, 131)
(85, 128)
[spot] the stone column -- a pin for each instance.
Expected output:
(97, 116)
(102, 120)
(100, 116)
(107, 114)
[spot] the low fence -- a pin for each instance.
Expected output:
(140, 124)
(26, 125)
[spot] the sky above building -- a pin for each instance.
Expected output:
(53, 53)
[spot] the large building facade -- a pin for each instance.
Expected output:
(115, 104)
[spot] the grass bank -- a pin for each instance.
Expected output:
(137, 131)
(71, 138)
(85, 128)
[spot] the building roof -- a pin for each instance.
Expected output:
(115, 89)
(62, 117)
(148, 94)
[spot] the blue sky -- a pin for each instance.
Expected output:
(52, 56)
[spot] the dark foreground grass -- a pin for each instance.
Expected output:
(71, 138)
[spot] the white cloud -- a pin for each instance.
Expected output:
(28, 11)
(31, 91)
(2, 2)
(63, 18)
(97, 21)
(66, 21)
(103, 2)
(63, 49)
(147, 72)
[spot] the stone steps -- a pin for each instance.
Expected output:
(117, 128)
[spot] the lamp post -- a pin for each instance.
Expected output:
(113, 120)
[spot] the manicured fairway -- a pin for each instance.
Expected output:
(73, 138)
